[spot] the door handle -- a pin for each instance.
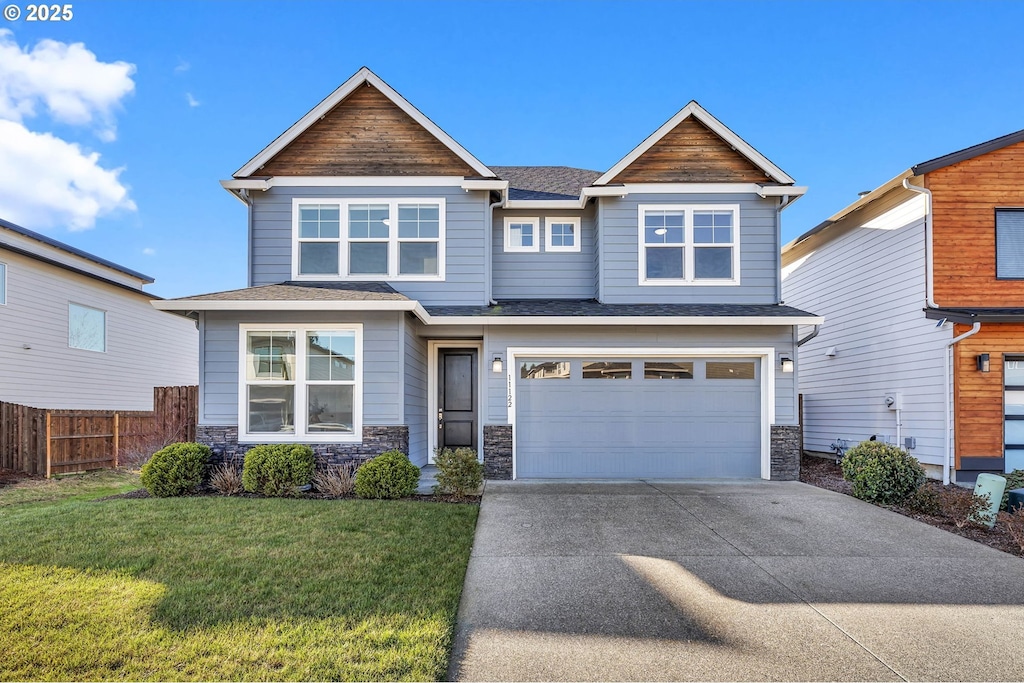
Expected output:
(440, 418)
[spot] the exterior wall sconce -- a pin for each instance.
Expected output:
(983, 362)
(496, 364)
(787, 364)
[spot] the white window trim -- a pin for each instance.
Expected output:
(3, 283)
(764, 354)
(393, 240)
(688, 246)
(91, 308)
(300, 383)
(577, 237)
(531, 220)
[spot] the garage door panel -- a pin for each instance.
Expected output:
(637, 427)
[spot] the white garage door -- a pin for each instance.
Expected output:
(638, 418)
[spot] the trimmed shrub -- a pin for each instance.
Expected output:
(1014, 480)
(336, 481)
(389, 475)
(227, 480)
(175, 470)
(881, 473)
(277, 469)
(459, 473)
(964, 508)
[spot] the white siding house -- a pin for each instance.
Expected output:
(79, 332)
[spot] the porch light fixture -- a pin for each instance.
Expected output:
(496, 364)
(787, 364)
(983, 362)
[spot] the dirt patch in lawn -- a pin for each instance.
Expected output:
(826, 474)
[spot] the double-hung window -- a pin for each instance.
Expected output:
(300, 382)
(684, 244)
(364, 239)
(1010, 244)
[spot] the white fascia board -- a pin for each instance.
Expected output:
(247, 184)
(782, 190)
(499, 185)
(346, 181)
(571, 321)
(364, 75)
(719, 128)
(571, 204)
(236, 305)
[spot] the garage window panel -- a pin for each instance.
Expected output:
(668, 369)
(729, 370)
(607, 369)
(548, 369)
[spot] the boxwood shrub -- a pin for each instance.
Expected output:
(176, 470)
(389, 475)
(277, 469)
(882, 473)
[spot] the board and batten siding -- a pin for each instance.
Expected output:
(382, 385)
(619, 256)
(542, 274)
(271, 248)
(869, 284)
(498, 338)
(145, 348)
(415, 353)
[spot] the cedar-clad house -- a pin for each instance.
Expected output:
(921, 282)
(563, 322)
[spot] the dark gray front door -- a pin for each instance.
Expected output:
(456, 401)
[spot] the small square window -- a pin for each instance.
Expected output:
(522, 234)
(87, 328)
(562, 234)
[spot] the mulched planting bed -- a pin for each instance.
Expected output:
(826, 474)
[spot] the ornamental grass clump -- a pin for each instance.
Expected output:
(227, 480)
(175, 470)
(882, 473)
(278, 469)
(390, 475)
(459, 472)
(336, 482)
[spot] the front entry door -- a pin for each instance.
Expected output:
(456, 400)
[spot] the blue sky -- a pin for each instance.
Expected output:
(842, 96)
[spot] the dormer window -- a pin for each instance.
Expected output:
(522, 234)
(683, 244)
(362, 239)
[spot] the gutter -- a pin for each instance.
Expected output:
(948, 371)
(489, 246)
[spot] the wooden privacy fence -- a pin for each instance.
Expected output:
(49, 442)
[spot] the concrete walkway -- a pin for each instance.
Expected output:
(726, 581)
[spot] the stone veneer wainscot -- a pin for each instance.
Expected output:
(785, 452)
(223, 441)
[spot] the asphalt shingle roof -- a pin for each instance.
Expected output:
(545, 182)
(307, 291)
(590, 307)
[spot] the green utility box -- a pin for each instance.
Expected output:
(993, 486)
(1016, 499)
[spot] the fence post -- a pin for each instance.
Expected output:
(47, 444)
(117, 431)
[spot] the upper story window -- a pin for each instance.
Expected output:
(1010, 244)
(87, 328)
(522, 234)
(562, 234)
(3, 284)
(362, 239)
(684, 244)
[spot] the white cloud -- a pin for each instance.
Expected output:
(192, 102)
(75, 87)
(46, 182)
(182, 66)
(149, 251)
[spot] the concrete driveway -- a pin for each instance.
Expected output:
(726, 581)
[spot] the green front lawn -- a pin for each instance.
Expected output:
(230, 589)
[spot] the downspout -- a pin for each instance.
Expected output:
(244, 196)
(949, 399)
(783, 203)
(489, 247)
(812, 335)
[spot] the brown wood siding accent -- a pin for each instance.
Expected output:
(978, 396)
(691, 153)
(964, 199)
(366, 134)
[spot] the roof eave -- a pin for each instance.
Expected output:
(967, 153)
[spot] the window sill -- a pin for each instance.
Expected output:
(689, 283)
(367, 278)
(278, 437)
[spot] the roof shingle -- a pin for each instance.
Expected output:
(545, 182)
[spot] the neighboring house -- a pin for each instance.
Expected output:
(929, 261)
(78, 332)
(566, 323)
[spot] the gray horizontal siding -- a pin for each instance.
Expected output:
(271, 251)
(543, 274)
(759, 246)
(381, 348)
(498, 339)
(869, 284)
(415, 349)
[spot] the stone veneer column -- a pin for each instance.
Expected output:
(785, 452)
(223, 441)
(497, 451)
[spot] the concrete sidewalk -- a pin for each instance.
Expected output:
(728, 581)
